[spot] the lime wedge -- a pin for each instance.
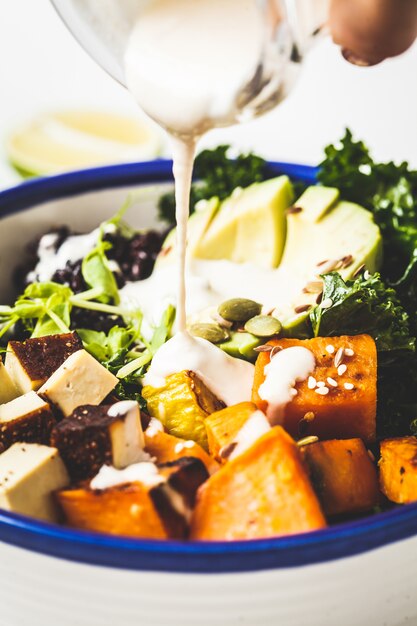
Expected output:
(76, 139)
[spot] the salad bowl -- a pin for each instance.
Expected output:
(361, 572)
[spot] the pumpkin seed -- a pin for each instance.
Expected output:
(210, 332)
(239, 309)
(263, 326)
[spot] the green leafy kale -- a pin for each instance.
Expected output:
(367, 305)
(218, 174)
(388, 190)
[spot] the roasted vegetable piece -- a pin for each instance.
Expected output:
(398, 469)
(121, 510)
(349, 409)
(263, 492)
(223, 426)
(159, 509)
(165, 448)
(343, 475)
(182, 405)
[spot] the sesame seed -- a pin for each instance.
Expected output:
(294, 209)
(341, 369)
(302, 308)
(359, 270)
(179, 448)
(321, 384)
(371, 455)
(275, 351)
(309, 416)
(265, 348)
(311, 383)
(366, 275)
(322, 391)
(348, 386)
(313, 286)
(189, 444)
(349, 352)
(293, 392)
(338, 357)
(330, 349)
(307, 441)
(332, 382)
(326, 303)
(328, 266)
(346, 260)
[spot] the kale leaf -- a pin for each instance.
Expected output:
(218, 174)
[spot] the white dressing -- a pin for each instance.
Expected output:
(73, 249)
(145, 473)
(229, 379)
(285, 369)
(256, 426)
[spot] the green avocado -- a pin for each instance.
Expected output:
(197, 225)
(250, 226)
(326, 230)
(241, 345)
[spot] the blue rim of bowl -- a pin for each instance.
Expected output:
(337, 542)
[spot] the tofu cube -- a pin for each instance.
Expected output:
(30, 363)
(93, 436)
(8, 390)
(29, 475)
(78, 381)
(27, 418)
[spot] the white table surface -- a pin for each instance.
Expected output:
(42, 68)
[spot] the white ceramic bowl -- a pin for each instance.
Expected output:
(362, 573)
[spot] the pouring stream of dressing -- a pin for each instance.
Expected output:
(191, 65)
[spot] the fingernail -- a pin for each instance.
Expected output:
(354, 59)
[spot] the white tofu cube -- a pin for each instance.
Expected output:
(8, 390)
(31, 362)
(81, 379)
(29, 474)
(27, 418)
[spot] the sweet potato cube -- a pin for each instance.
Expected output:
(263, 492)
(398, 469)
(121, 510)
(343, 475)
(348, 409)
(166, 448)
(223, 426)
(182, 405)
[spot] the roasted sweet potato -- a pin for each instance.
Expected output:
(166, 448)
(398, 469)
(263, 492)
(182, 405)
(223, 426)
(349, 409)
(123, 510)
(343, 475)
(160, 510)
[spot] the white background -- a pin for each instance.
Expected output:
(43, 68)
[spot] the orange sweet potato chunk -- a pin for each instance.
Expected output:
(342, 413)
(343, 475)
(263, 492)
(398, 469)
(223, 426)
(122, 510)
(166, 448)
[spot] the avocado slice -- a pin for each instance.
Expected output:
(242, 345)
(250, 226)
(197, 225)
(325, 230)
